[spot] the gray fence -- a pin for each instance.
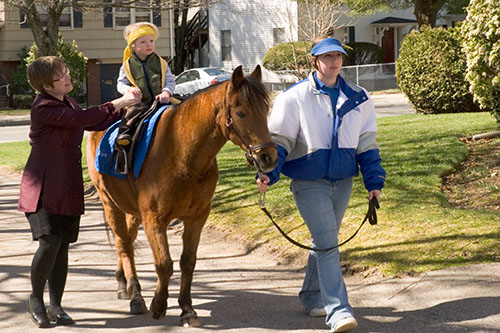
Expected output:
(371, 77)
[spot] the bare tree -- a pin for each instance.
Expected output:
(317, 18)
(322, 17)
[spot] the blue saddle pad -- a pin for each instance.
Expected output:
(105, 157)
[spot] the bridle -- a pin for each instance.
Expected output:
(250, 149)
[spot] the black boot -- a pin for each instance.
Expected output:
(37, 311)
(124, 137)
(60, 317)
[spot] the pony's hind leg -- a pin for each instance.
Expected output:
(125, 228)
(156, 232)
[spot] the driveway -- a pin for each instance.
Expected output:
(233, 290)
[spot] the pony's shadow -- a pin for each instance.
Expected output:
(264, 309)
(256, 310)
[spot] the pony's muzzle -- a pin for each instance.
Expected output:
(266, 159)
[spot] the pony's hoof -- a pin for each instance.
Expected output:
(122, 294)
(138, 308)
(158, 315)
(190, 319)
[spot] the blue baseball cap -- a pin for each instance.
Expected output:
(327, 45)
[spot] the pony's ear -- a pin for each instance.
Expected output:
(237, 77)
(257, 73)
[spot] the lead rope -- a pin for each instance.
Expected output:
(371, 216)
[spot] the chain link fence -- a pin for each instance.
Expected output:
(374, 77)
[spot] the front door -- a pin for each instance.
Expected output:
(388, 45)
(109, 75)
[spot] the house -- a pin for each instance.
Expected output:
(98, 34)
(239, 32)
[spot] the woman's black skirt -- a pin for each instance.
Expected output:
(66, 227)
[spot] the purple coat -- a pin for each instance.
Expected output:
(54, 167)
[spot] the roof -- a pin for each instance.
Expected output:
(393, 21)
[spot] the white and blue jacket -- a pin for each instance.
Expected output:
(317, 141)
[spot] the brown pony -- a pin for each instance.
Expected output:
(178, 180)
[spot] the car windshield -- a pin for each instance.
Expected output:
(215, 71)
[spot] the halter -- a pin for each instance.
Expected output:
(250, 150)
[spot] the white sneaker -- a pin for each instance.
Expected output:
(317, 312)
(346, 324)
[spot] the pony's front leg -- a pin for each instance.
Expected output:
(190, 241)
(156, 232)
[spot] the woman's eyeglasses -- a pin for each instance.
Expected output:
(67, 73)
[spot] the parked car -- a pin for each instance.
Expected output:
(195, 79)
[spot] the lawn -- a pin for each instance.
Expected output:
(418, 229)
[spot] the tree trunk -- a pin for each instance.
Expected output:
(45, 39)
(180, 33)
(426, 11)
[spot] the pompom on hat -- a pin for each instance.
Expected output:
(327, 45)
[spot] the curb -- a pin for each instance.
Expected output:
(15, 120)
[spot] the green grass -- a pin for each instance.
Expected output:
(418, 229)
(15, 155)
(14, 112)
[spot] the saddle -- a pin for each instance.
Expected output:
(125, 154)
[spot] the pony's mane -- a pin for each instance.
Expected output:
(253, 94)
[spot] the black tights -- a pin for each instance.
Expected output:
(50, 262)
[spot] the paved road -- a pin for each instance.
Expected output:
(233, 290)
(16, 128)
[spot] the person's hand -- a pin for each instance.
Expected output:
(135, 91)
(374, 194)
(262, 182)
(164, 97)
(131, 97)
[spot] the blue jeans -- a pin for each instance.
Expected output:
(322, 205)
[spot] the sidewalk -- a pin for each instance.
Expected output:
(233, 290)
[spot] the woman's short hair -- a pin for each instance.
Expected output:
(42, 71)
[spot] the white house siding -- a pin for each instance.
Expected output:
(251, 25)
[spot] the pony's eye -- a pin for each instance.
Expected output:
(241, 114)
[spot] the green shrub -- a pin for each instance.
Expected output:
(362, 53)
(289, 57)
(22, 101)
(19, 82)
(430, 71)
(68, 52)
(481, 44)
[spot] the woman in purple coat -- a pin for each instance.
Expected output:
(52, 187)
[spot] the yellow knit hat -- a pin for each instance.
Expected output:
(144, 30)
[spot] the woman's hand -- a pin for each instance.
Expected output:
(131, 97)
(374, 194)
(164, 97)
(262, 182)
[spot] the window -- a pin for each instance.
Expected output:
(278, 36)
(65, 21)
(345, 34)
(123, 16)
(225, 45)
